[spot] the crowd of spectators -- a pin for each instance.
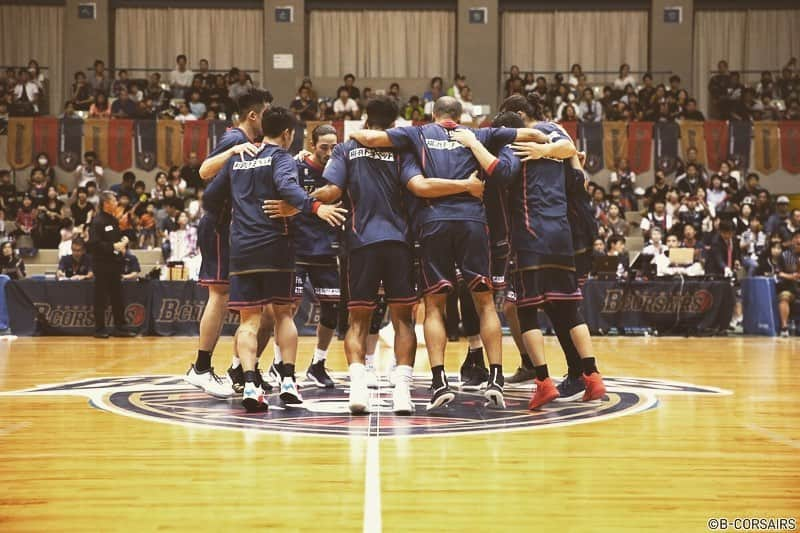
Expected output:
(771, 98)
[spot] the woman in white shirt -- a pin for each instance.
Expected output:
(344, 106)
(625, 78)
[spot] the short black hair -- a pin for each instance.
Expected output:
(382, 111)
(615, 239)
(674, 77)
(90, 153)
(647, 76)
(516, 103)
(252, 100)
(129, 176)
(79, 241)
(349, 76)
(725, 225)
(319, 131)
(180, 56)
(507, 119)
(448, 106)
(754, 175)
(276, 121)
(139, 183)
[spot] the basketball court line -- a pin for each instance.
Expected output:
(773, 436)
(372, 465)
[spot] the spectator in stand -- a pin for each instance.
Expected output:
(181, 78)
(130, 265)
(77, 266)
(730, 178)
(304, 106)
(752, 243)
(176, 181)
(147, 227)
(655, 246)
(615, 223)
(123, 107)
(788, 281)
(190, 174)
(693, 214)
(690, 240)
(183, 239)
(413, 105)
(90, 170)
(196, 107)
(100, 107)
(785, 84)
(157, 94)
(81, 210)
(657, 217)
(598, 248)
(467, 107)
(310, 86)
(42, 162)
(624, 79)
(26, 93)
(8, 194)
(37, 189)
(569, 113)
(455, 90)
(789, 227)
(81, 93)
(37, 76)
(744, 108)
(206, 78)
(688, 183)
(184, 114)
(135, 93)
(590, 110)
(345, 108)
(769, 259)
(99, 80)
(718, 88)
(26, 217)
(626, 179)
(751, 189)
(352, 90)
(157, 194)
(126, 187)
(690, 112)
(48, 221)
(3, 117)
(716, 194)
(724, 257)
(514, 80)
(647, 91)
(140, 194)
(119, 83)
(766, 86)
(574, 78)
(11, 264)
(92, 194)
(243, 85)
(146, 110)
(126, 218)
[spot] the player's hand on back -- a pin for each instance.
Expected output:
(246, 148)
(279, 209)
(465, 137)
(529, 151)
(475, 186)
(333, 214)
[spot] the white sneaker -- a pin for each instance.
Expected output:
(253, 398)
(210, 382)
(401, 399)
(359, 396)
(371, 377)
(290, 395)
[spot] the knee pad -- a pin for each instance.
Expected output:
(565, 313)
(528, 318)
(328, 314)
(377, 317)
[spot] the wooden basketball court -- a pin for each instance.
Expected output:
(670, 466)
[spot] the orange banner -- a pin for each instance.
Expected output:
(19, 150)
(615, 142)
(693, 136)
(169, 144)
(95, 138)
(765, 139)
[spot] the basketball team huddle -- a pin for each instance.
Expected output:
(392, 217)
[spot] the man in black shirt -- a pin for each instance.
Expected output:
(107, 246)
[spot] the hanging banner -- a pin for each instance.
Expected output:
(790, 146)
(693, 136)
(19, 150)
(70, 138)
(95, 138)
(615, 142)
(571, 127)
(120, 151)
(765, 135)
(740, 133)
(169, 150)
(195, 139)
(591, 142)
(716, 134)
(45, 137)
(640, 146)
(144, 141)
(666, 146)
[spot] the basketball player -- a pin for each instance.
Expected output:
(261, 253)
(213, 235)
(453, 234)
(544, 257)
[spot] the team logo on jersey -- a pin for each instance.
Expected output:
(169, 399)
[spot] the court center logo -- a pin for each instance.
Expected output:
(168, 399)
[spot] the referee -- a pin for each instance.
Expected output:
(107, 246)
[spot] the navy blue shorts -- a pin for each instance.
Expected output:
(450, 244)
(536, 285)
(500, 261)
(256, 289)
(322, 273)
(215, 251)
(583, 265)
(390, 263)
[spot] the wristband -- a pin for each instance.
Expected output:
(315, 206)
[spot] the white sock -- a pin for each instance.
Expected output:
(370, 361)
(405, 373)
(319, 355)
(235, 362)
(278, 358)
(357, 371)
(393, 361)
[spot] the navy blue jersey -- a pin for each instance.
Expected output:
(269, 175)
(312, 236)
(495, 198)
(374, 183)
(216, 196)
(540, 230)
(580, 213)
(440, 157)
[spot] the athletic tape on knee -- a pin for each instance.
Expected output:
(528, 318)
(248, 327)
(328, 314)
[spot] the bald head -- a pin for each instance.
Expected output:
(447, 107)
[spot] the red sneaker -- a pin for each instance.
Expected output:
(595, 388)
(546, 392)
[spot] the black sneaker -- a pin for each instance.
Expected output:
(263, 383)
(319, 376)
(276, 372)
(494, 395)
(101, 334)
(441, 397)
(237, 379)
(122, 333)
(465, 372)
(522, 375)
(478, 377)
(570, 389)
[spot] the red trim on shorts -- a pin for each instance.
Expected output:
(436, 287)
(478, 280)
(207, 282)
(219, 255)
